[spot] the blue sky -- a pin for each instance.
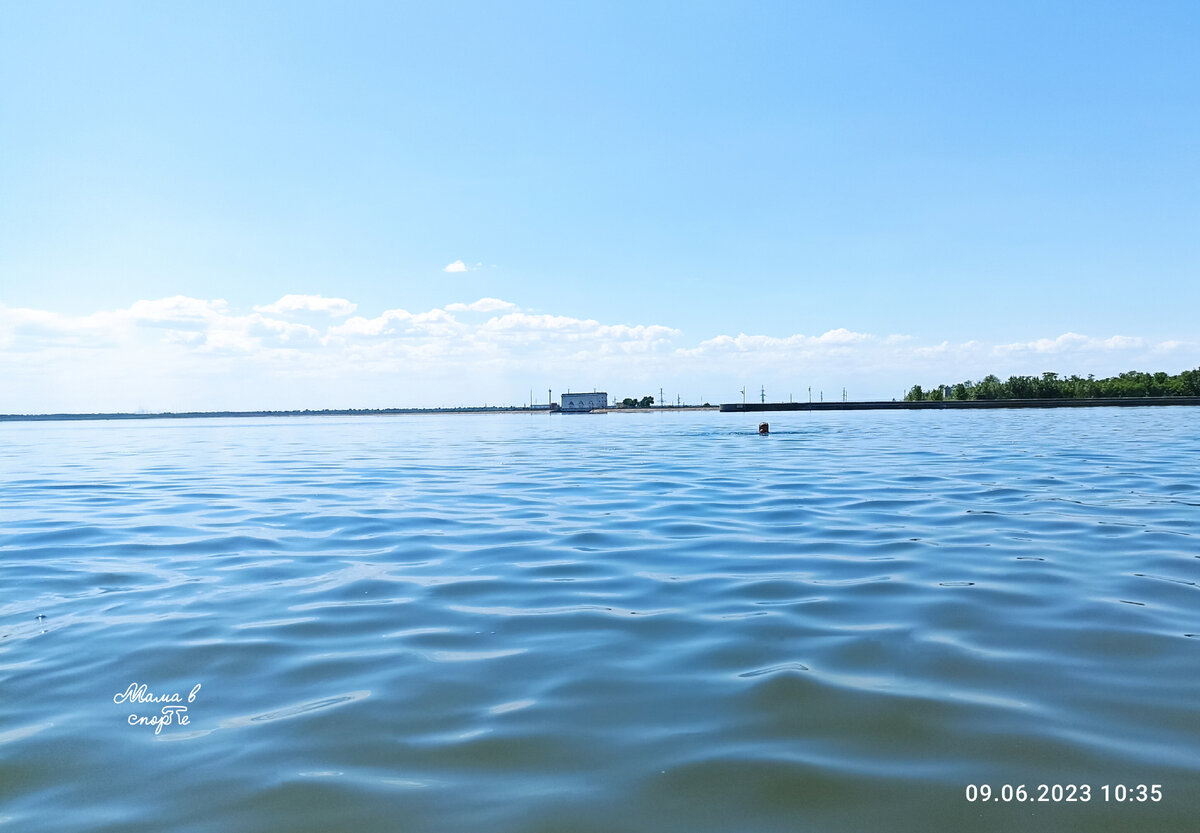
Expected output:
(693, 196)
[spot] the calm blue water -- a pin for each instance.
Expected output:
(655, 622)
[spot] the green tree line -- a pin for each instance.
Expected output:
(1051, 386)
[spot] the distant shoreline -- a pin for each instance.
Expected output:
(954, 404)
(729, 407)
(332, 412)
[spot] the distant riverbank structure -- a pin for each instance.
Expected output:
(582, 403)
(953, 405)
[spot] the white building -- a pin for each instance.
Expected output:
(581, 403)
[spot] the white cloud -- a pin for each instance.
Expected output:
(337, 307)
(178, 309)
(186, 353)
(1123, 343)
(386, 323)
(932, 350)
(456, 266)
(532, 323)
(482, 305)
(1071, 342)
(780, 347)
(1172, 346)
(29, 330)
(271, 332)
(843, 336)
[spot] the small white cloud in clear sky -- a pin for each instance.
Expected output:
(456, 266)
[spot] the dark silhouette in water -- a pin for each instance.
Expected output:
(763, 428)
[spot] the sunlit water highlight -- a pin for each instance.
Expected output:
(657, 622)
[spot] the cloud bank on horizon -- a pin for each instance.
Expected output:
(310, 351)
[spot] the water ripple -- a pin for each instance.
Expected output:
(660, 621)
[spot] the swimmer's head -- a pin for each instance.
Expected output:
(763, 428)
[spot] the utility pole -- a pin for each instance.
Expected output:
(810, 394)
(549, 400)
(764, 395)
(843, 394)
(660, 398)
(743, 395)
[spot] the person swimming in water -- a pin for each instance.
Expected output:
(763, 428)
